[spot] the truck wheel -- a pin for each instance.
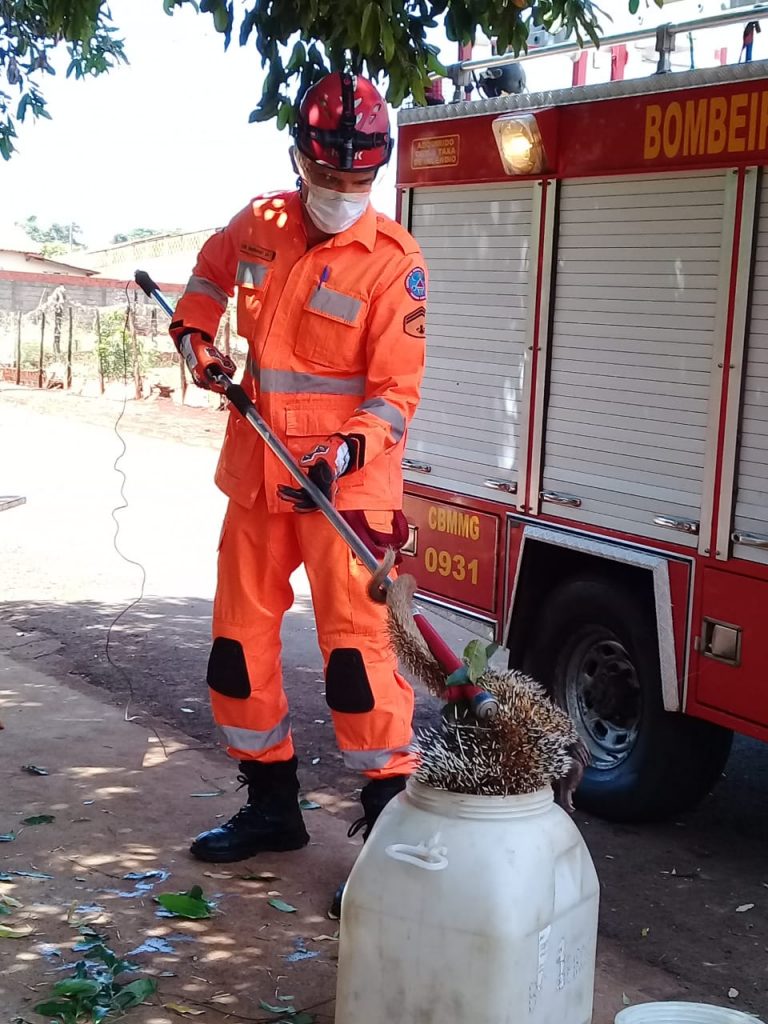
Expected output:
(596, 652)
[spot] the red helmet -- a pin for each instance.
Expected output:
(343, 123)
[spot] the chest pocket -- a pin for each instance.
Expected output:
(331, 329)
(252, 280)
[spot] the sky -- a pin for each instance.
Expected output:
(165, 143)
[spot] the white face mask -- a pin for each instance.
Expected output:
(333, 212)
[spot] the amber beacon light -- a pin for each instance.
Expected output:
(520, 144)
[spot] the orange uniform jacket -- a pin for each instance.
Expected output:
(336, 338)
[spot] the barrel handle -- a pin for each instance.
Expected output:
(427, 855)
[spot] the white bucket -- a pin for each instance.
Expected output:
(683, 1013)
(469, 910)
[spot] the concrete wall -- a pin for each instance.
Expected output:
(23, 292)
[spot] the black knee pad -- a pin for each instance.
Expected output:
(346, 682)
(227, 670)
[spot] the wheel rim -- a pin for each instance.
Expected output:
(602, 695)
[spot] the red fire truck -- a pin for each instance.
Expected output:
(587, 475)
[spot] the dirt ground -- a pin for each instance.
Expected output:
(672, 917)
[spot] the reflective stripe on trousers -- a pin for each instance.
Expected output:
(371, 760)
(254, 740)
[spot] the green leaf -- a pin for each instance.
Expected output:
(490, 650)
(185, 904)
(284, 116)
(134, 993)
(634, 6)
(476, 659)
(39, 819)
(286, 908)
(369, 29)
(270, 1008)
(6, 932)
(4, 910)
(54, 1009)
(76, 987)
(387, 41)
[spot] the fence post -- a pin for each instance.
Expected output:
(57, 331)
(135, 355)
(69, 352)
(18, 350)
(98, 351)
(42, 350)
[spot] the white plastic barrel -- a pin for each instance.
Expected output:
(683, 1013)
(469, 910)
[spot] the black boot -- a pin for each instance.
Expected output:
(270, 821)
(374, 797)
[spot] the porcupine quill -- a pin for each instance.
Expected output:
(530, 743)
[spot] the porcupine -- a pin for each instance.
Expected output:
(529, 744)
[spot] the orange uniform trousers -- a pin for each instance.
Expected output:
(371, 704)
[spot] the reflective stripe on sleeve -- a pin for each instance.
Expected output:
(202, 286)
(384, 410)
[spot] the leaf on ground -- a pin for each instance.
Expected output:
(154, 944)
(134, 993)
(745, 907)
(625, 999)
(309, 805)
(9, 876)
(7, 837)
(185, 1011)
(139, 876)
(9, 901)
(206, 794)
(54, 1008)
(39, 819)
(733, 993)
(185, 904)
(33, 769)
(271, 1008)
(76, 987)
(4, 911)
(21, 932)
(645, 932)
(260, 876)
(326, 938)
(218, 874)
(286, 908)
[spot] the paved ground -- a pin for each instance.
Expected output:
(669, 918)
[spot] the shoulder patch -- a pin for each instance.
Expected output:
(416, 284)
(415, 323)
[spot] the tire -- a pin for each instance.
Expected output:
(595, 650)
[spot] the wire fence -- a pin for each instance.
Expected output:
(121, 351)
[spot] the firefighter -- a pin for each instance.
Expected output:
(331, 301)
